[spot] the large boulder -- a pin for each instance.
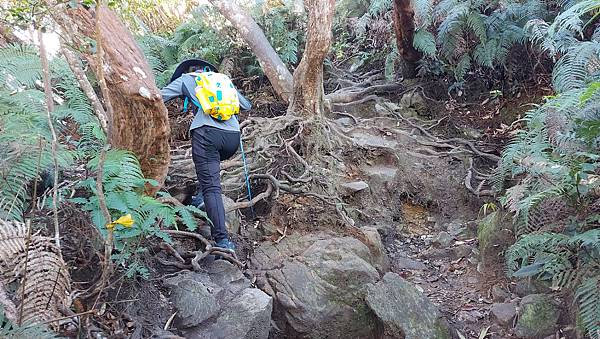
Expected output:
(219, 303)
(319, 282)
(404, 311)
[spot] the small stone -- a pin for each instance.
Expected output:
(499, 294)
(194, 300)
(525, 287)
(391, 106)
(443, 239)
(413, 100)
(373, 241)
(504, 313)
(144, 92)
(381, 110)
(409, 264)
(455, 229)
(344, 122)
(472, 133)
(354, 187)
(462, 251)
(472, 280)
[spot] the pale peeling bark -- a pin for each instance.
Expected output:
(278, 74)
(307, 97)
(140, 121)
(404, 27)
(86, 87)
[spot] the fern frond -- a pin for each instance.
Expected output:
(588, 298)
(424, 42)
(19, 66)
(463, 66)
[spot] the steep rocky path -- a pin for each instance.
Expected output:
(410, 266)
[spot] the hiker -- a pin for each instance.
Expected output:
(215, 137)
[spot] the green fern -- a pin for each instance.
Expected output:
(379, 7)
(9, 330)
(551, 160)
(123, 185)
(588, 297)
(24, 126)
(425, 42)
(470, 28)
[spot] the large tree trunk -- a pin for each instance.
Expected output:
(140, 120)
(279, 76)
(307, 95)
(404, 27)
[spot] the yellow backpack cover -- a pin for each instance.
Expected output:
(217, 95)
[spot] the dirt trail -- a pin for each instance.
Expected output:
(440, 256)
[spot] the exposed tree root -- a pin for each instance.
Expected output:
(209, 249)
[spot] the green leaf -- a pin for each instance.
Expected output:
(424, 42)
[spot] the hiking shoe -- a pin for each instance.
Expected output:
(198, 201)
(226, 243)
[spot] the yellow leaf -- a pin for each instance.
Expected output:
(125, 220)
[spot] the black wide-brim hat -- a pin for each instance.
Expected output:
(184, 67)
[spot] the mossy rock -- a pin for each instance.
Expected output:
(538, 316)
(404, 312)
(495, 235)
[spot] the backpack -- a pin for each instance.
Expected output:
(217, 95)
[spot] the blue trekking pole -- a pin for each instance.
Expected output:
(247, 175)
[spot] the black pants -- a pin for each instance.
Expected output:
(210, 146)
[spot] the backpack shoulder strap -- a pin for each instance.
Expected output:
(189, 93)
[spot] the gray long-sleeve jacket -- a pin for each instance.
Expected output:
(185, 85)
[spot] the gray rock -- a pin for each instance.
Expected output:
(414, 100)
(409, 112)
(455, 229)
(373, 241)
(409, 264)
(504, 313)
(499, 294)
(350, 188)
(471, 133)
(525, 287)
(379, 177)
(391, 106)
(248, 316)
(443, 239)
(219, 303)
(232, 218)
(365, 139)
(404, 311)
(344, 122)
(319, 282)
(193, 297)
(538, 316)
(381, 110)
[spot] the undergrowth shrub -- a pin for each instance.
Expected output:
(123, 185)
(552, 168)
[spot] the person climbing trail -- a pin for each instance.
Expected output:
(215, 133)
